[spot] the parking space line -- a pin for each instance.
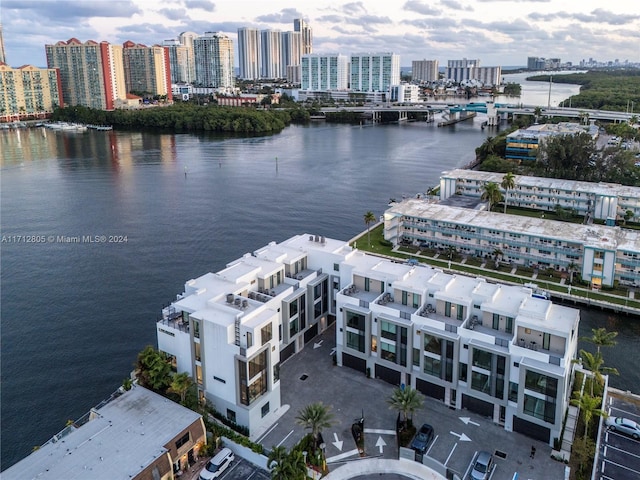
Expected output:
(341, 456)
(433, 443)
(621, 450)
(259, 440)
(626, 412)
(379, 431)
(622, 466)
(283, 440)
(451, 453)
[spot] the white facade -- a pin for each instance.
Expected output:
(299, 25)
(374, 72)
(405, 92)
(213, 53)
(493, 349)
(325, 72)
(424, 70)
(249, 53)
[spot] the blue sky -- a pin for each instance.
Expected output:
(498, 32)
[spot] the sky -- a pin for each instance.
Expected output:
(498, 32)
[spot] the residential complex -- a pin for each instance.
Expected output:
(424, 71)
(136, 434)
(3, 57)
(91, 73)
(213, 53)
(523, 144)
(147, 69)
(464, 70)
(541, 63)
(28, 92)
(181, 62)
(374, 72)
(299, 25)
(325, 72)
(249, 53)
(493, 349)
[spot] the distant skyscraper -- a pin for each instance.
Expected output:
(249, 53)
(325, 72)
(461, 70)
(213, 54)
(291, 50)
(28, 92)
(299, 25)
(178, 60)
(186, 39)
(147, 69)
(424, 70)
(271, 54)
(374, 72)
(3, 57)
(91, 73)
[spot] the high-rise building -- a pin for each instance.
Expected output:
(460, 70)
(179, 56)
(213, 53)
(91, 73)
(325, 72)
(249, 53)
(374, 72)
(28, 92)
(291, 51)
(186, 39)
(3, 57)
(424, 70)
(147, 69)
(299, 25)
(271, 48)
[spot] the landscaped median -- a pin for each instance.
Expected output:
(618, 299)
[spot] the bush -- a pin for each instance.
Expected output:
(385, 243)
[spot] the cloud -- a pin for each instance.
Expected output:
(420, 7)
(455, 5)
(201, 4)
(174, 13)
(286, 15)
(354, 8)
(69, 10)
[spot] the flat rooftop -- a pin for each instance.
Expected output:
(126, 436)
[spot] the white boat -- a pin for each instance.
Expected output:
(537, 292)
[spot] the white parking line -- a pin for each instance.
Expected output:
(451, 453)
(619, 450)
(259, 440)
(432, 444)
(342, 455)
(379, 431)
(283, 440)
(622, 466)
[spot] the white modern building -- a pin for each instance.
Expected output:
(598, 254)
(325, 72)
(424, 70)
(602, 201)
(231, 329)
(180, 60)
(374, 72)
(493, 349)
(249, 53)
(299, 25)
(213, 54)
(405, 92)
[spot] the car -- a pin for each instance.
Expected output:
(482, 466)
(217, 465)
(423, 438)
(624, 425)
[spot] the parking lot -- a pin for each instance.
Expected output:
(310, 376)
(620, 454)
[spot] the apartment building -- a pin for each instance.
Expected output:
(213, 54)
(493, 349)
(180, 61)
(524, 144)
(3, 56)
(325, 72)
(147, 69)
(424, 71)
(230, 330)
(598, 254)
(91, 73)
(299, 25)
(28, 92)
(249, 53)
(136, 434)
(405, 92)
(374, 72)
(601, 201)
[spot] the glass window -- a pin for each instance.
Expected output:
(432, 344)
(496, 322)
(416, 357)
(266, 333)
(539, 408)
(355, 341)
(513, 392)
(355, 320)
(388, 351)
(265, 409)
(509, 326)
(540, 383)
(482, 359)
(480, 382)
(432, 366)
(388, 330)
(374, 343)
(462, 372)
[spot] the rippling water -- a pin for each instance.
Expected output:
(74, 315)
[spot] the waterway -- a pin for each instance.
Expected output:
(76, 313)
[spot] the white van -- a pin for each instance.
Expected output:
(217, 465)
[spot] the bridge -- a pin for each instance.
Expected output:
(579, 113)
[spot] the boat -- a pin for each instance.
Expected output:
(537, 292)
(100, 127)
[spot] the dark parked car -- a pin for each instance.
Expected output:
(624, 425)
(422, 439)
(482, 466)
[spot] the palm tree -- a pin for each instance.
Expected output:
(536, 114)
(595, 364)
(589, 406)
(628, 215)
(297, 466)
(315, 417)
(601, 338)
(491, 193)
(508, 183)
(369, 218)
(406, 401)
(277, 455)
(497, 253)
(571, 268)
(180, 384)
(152, 369)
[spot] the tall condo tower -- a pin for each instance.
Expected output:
(249, 53)
(3, 57)
(374, 72)
(214, 61)
(299, 25)
(91, 73)
(147, 69)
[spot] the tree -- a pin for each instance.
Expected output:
(369, 218)
(180, 384)
(536, 113)
(628, 215)
(491, 193)
(497, 255)
(589, 407)
(406, 401)
(601, 338)
(572, 268)
(595, 364)
(277, 456)
(315, 417)
(153, 370)
(508, 183)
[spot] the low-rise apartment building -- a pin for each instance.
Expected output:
(523, 144)
(231, 329)
(493, 349)
(599, 254)
(602, 201)
(136, 434)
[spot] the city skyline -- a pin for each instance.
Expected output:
(498, 32)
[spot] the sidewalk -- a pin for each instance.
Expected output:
(370, 466)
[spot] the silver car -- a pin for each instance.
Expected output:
(482, 466)
(625, 426)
